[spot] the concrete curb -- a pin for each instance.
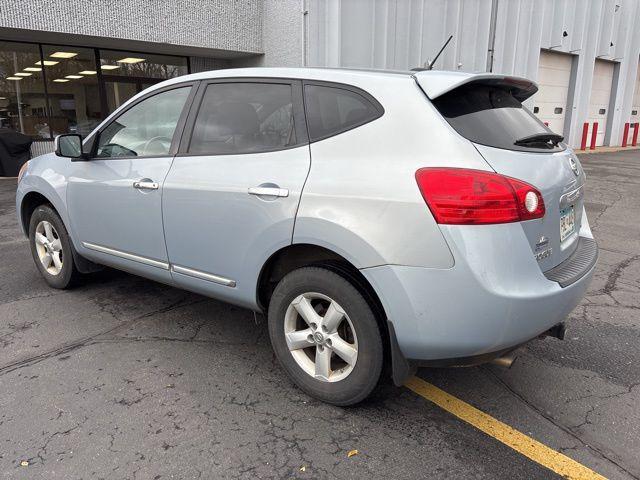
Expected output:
(606, 150)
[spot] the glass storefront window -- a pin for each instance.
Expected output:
(23, 104)
(47, 90)
(72, 86)
(127, 73)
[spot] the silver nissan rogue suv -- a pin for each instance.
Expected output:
(380, 219)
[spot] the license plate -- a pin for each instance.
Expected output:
(567, 223)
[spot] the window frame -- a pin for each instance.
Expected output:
(297, 103)
(93, 138)
(341, 86)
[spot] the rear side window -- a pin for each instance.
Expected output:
(244, 118)
(491, 116)
(333, 110)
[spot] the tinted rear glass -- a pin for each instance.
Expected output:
(491, 116)
(244, 118)
(333, 110)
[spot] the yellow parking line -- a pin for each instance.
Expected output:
(521, 443)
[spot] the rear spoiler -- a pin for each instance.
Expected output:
(437, 83)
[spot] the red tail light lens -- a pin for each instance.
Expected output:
(458, 196)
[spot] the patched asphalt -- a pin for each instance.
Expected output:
(125, 378)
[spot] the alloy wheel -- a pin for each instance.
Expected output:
(321, 337)
(49, 247)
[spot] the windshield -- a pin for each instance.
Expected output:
(491, 116)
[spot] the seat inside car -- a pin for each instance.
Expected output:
(230, 127)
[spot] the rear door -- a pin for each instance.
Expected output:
(489, 112)
(232, 193)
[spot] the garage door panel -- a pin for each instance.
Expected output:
(554, 94)
(635, 104)
(554, 74)
(600, 97)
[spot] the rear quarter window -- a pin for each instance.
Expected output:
(491, 116)
(333, 109)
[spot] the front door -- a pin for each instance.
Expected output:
(232, 193)
(114, 199)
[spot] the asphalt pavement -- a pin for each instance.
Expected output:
(124, 378)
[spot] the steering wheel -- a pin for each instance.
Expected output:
(164, 148)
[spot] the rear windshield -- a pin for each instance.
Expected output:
(490, 115)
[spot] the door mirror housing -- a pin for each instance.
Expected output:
(70, 146)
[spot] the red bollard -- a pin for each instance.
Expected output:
(585, 131)
(625, 134)
(594, 133)
(634, 142)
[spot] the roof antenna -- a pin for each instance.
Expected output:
(430, 65)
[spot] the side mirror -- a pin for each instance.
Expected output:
(70, 146)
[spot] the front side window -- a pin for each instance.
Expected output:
(333, 110)
(244, 118)
(146, 129)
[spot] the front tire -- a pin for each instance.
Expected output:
(51, 248)
(326, 336)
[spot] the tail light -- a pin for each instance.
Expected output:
(459, 196)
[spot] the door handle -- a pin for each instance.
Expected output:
(268, 191)
(145, 185)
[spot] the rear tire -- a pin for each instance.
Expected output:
(326, 336)
(51, 248)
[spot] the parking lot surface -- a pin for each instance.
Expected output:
(124, 378)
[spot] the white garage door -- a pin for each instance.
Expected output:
(635, 106)
(550, 102)
(599, 100)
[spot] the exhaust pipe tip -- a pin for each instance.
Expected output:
(558, 331)
(505, 361)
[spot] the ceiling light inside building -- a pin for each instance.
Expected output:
(47, 63)
(73, 77)
(14, 78)
(33, 69)
(23, 74)
(131, 60)
(109, 67)
(61, 80)
(63, 55)
(88, 72)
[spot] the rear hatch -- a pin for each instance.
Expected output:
(487, 110)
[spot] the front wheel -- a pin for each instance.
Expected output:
(326, 336)
(51, 248)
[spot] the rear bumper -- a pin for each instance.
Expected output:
(494, 298)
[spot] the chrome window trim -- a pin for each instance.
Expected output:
(125, 255)
(203, 275)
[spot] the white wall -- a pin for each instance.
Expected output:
(282, 32)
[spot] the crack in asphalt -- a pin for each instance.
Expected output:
(42, 451)
(614, 276)
(84, 341)
(568, 430)
(594, 223)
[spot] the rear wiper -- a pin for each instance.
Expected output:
(546, 139)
